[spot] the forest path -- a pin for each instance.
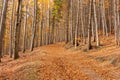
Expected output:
(54, 62)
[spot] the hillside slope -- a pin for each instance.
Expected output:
(54, 62)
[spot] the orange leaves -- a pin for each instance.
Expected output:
(106, 3)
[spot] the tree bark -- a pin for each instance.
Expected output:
(11, 31)
(34, 26)
(96, 23)
(89, 25)
(16, 32)
(2, 25)
(24, 35)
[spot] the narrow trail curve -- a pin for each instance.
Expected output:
(68, 65)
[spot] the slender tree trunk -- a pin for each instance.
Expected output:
(89, 25)
(2, 25)
(96, 23)
(71, 21)
(115, 22)
(67, 27)
(2, 1)
(16, 32)
(11, 27)
(93, 30)
(41, 28)
(118, 24)
(53, 27)
(34, 26)
(77, 24)
(24, 35)
(48, 22)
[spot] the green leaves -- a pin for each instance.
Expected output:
(57, 8)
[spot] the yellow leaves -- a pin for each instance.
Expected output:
(45, 2)
(78, 39)
(41, 3)
(106, 3)
(51, 4)
(31, 3)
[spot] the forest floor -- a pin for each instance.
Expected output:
(55, 62)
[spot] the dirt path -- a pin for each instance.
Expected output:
(54, 62)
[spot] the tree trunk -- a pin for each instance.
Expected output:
(16, 32)
(96, 23)
(89, 26)
(2, 25)
(11, 26)
(24, 35)
(77, 24)
(115, 21)
(34, 26)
